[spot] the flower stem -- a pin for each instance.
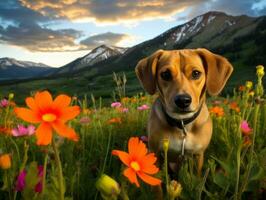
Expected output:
(59, 168)
(44, 172)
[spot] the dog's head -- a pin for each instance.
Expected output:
(182, 76)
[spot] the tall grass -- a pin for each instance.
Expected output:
(234, 167)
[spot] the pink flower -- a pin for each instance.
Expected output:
(246, 130)
(125, 110)
(4, 103)
(143, 107)
(21, 183)
(85, 120)
(23, 131)
(116, 105)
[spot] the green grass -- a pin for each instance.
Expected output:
(231, 169)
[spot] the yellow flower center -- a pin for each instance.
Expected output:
(49, 117)
(135, 165)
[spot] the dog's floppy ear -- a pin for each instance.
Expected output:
(218, 70)
(146, 71)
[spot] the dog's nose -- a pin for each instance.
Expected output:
(183, 100)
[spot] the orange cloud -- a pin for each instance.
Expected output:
(109, 11)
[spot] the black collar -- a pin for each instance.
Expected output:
(178, 123)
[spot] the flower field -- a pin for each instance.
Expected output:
(61, 147)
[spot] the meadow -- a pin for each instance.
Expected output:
(80, 163)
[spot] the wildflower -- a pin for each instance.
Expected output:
(244, 126)
(116, 120)
(123, 110)
(108, 187)
(174, 189)
(241, 88)
(116, 105)
(138, 162)
(4, 103)
(252, 93)
(143, 107)
(125, 100)
(216, 102)
(11, 96)
(86, 111)
(21, 180)
(23, 131)
(247, 141)
(249, 85)
(234, 106)
(85, 120)
(218, 111)
(5, 130)
(144, 138)
(5, 161)
(50, 114)
(260, 71)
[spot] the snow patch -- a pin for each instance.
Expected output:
(211, 18)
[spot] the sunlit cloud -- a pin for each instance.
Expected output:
(109, 11)
(112, 39)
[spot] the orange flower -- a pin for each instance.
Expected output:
(52, 115)
(218, 111)
(234, 106)
(116, 120)
(5, 161)
(5, 130)
(241, 88)
(138, 162)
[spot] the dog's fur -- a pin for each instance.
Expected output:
(215, 71)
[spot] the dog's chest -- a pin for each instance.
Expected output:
(176, 142)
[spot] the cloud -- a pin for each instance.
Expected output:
(109, 11)
(108, 38)
(36, 38)
(28, 29)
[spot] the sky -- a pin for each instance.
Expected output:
(55, 32)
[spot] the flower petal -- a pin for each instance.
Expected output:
(62, 100)
(131, 175)
(64, 130)
(27, 115)
(43, 100)
(31, 103)
(44, 134)
(123, 156)
(147, 164)
(69, 113)
(136, 148)
(149, 179)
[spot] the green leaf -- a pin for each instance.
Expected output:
(31, 181)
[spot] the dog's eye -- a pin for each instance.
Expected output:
(166, 75)
(196, 74)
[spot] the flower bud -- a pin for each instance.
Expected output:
(260, 71)
(165, 144)
(11, 96)
(249, 85)
(174, 189)
(108, 187)
(5, 161)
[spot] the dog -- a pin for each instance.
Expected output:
(181, 79)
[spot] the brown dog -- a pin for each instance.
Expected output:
(180, 114)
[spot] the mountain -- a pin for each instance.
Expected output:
(11, 68)
(97, 55)
(241, 39)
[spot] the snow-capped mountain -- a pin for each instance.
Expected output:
(96, 55)
(11, 68)
(101, 53)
